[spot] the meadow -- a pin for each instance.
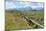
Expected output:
(15, 21)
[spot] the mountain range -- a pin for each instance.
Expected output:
(29, 8)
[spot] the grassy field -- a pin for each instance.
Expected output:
(14, 20)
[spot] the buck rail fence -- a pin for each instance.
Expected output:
(33, 22)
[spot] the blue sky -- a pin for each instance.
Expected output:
(11, 4)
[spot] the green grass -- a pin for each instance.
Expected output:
(12, 24)
(15, 21)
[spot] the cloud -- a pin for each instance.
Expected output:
(23, 4)
(31, 0)
(10, 5)
(27, 0)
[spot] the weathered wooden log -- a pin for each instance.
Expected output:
(32, 21)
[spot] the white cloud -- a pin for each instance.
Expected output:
(23, 4)
(10, 5)
(31, 0)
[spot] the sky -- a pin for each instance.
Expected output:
(10, 4)
(28, 0)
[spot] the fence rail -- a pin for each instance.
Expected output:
(32, 21)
